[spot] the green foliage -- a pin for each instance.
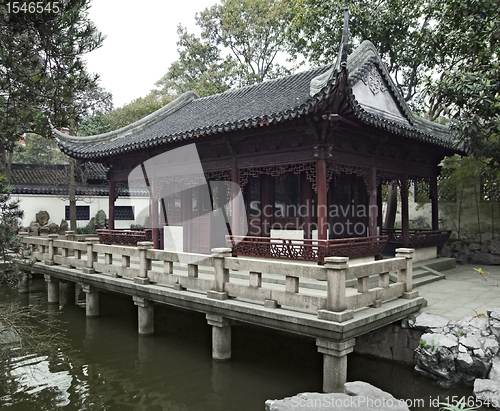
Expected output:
(444, 56)
(93, 125)
(253, 30)
(10, 221)
(137, 109)
(200, 68)
(462, 406)
(470, 85)
(38, 150)
(42, 73)
(88, 229)
(239, 44)
(400, 30)
(465, 184)
(426, 346)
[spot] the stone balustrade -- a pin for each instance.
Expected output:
(210, 274)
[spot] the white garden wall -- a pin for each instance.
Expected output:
(55, 206)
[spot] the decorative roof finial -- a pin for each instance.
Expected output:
(345, 40)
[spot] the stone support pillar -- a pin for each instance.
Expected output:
(24, 283)
(334, 363)
(221, 337)
(145, 313)
(52, 289)
(66, 292)
(91, 301)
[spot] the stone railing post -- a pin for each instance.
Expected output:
(50, 251)
(91, 255)
(406, 275)
(144, 262)
(336, 305)
(221, 273)
(70, 236)
(23, 235)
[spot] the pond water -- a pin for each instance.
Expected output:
(107, 366)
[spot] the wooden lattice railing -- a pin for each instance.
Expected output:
(419, 238)
(123, 237)
(144, 265)
(306, 250)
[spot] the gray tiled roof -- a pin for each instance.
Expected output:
(276, 100)
(191, 117)
(53, 179)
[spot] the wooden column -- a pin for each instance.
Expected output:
(236, 217)
(306, 194)
(404, 211)
(186, 211)
(154, 213)
(373, 210)
(434, 203)
(267, 205)
(321, 186)
(379, 205)
(112, 198)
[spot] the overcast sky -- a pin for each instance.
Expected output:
(140, 44)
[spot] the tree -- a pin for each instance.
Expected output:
(41, 70)
(470, 87)
(253, 30)
(10, 221)
(200, 68)
(401, 31)
(137, 109)
(38, 150)
(239, 46)
(93, 125)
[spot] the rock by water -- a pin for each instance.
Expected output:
(357, 395)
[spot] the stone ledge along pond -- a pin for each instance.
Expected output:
(108, 366)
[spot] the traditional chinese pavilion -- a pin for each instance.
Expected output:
(310, 151)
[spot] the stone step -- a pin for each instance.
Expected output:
(427, 279)
(421, 275)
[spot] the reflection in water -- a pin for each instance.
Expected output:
(107, 366)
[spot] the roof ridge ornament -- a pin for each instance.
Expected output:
(321, 81)
(344, 44)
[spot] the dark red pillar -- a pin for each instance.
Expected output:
(434, 203)
(155, 222)
(306, 205)
(112, 198)
(321, 186)
(237, 227)
(267, 204)
(404, 211)
(373, 204)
